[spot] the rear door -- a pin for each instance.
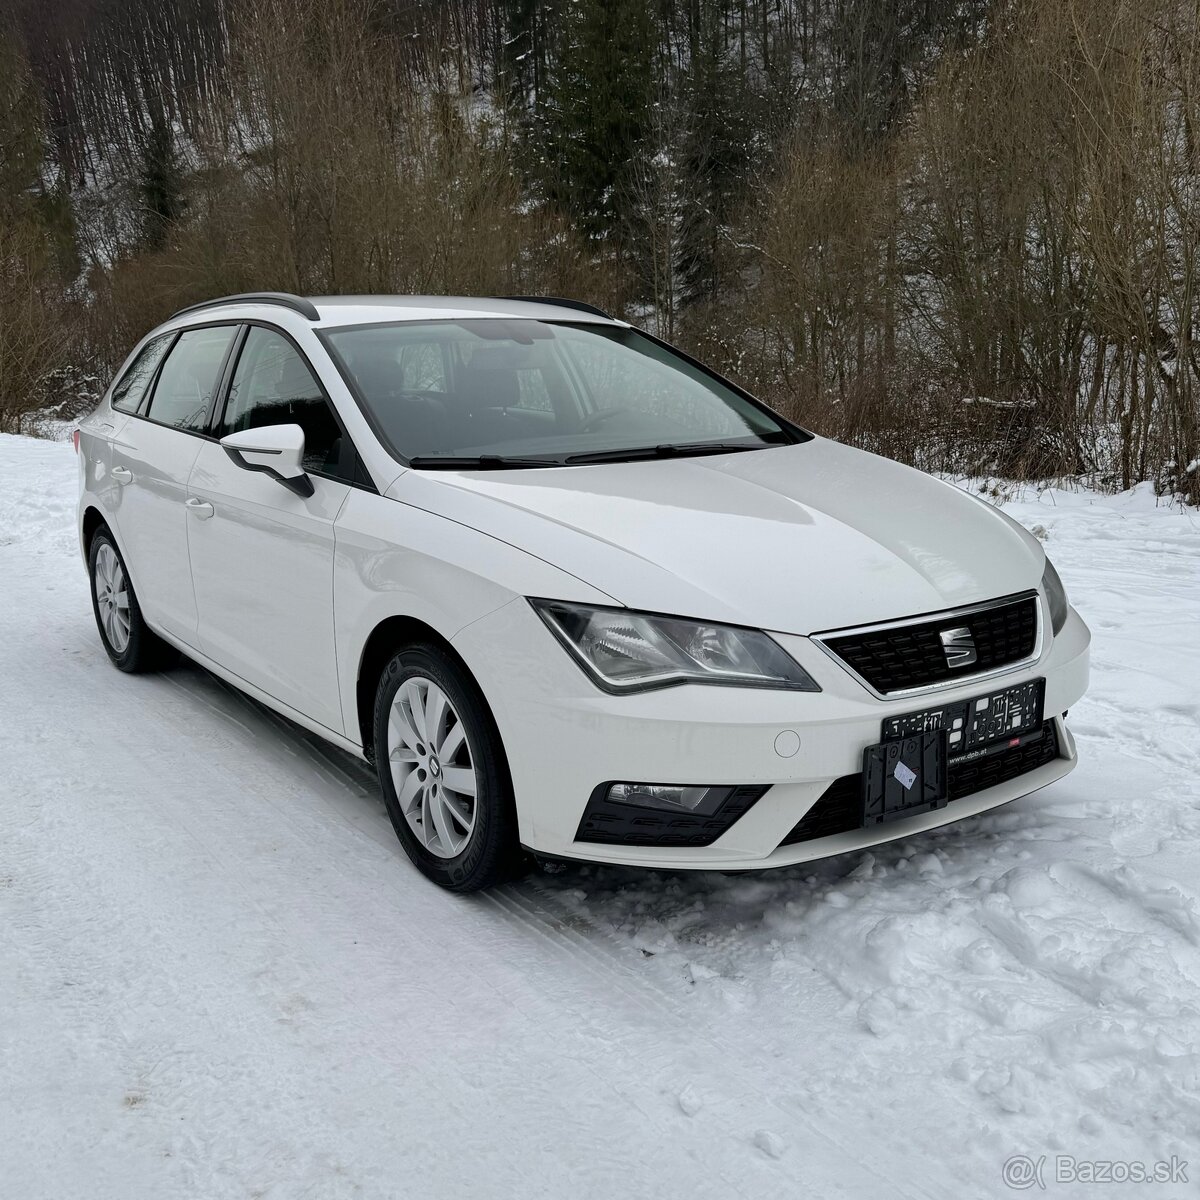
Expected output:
(152, 457)
(262, 556)
(97, 431)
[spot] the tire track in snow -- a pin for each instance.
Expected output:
(531, 909)
(245, 802)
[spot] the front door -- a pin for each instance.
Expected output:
(262, 556)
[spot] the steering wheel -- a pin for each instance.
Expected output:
(605, 414)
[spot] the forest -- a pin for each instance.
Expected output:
(963, 233)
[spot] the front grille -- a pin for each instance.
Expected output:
(628, 825)
(839, 810)
(911, 656)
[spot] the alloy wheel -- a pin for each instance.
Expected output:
(432, 767)
(112, 598)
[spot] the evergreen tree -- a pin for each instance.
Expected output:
(161, 182)
(597, 114)
(718, 152)
(20, 133)
(36, 248)
(882, 50)
(525, 50)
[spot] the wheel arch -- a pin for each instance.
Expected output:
(92, 520)
(90, 523)
(390, 635)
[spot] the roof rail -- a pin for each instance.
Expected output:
(298, 304)
(556, 302)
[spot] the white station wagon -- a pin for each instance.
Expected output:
(571, 592)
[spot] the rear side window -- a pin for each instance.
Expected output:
(131, 388)
(273, 385)
(189, 377)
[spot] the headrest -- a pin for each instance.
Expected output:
(489, 380)
(295, 381)
(375, 366)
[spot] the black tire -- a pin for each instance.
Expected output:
(492, 852)
(145, 650)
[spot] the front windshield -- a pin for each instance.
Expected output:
(501, 389)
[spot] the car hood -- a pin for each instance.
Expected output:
(795, 539)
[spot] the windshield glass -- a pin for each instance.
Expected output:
(505, 389)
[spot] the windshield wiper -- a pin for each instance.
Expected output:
(668, 450)
(479, 462)
(500, 462)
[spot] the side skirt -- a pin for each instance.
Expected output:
(256, 693)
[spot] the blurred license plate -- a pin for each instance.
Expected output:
(973, 725)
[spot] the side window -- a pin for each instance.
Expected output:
(131, 387)
(273, 385)
(188, 377)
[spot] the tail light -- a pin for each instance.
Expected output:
(75, 439)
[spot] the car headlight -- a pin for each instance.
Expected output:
(1056, 594)
(626, 651)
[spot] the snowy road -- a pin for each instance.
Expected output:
(219, 976)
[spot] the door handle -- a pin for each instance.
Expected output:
(122, 474)
(201, 508)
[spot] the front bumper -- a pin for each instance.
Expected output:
(563, 737)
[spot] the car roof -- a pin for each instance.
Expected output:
(416, 308)
(334, 311)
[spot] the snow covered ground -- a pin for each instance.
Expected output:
(219, 976)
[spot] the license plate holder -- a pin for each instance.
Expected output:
(904, 777)
(971, 725)
(907, 771)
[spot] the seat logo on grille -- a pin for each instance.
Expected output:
(958, 645)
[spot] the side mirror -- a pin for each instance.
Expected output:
(276, 450)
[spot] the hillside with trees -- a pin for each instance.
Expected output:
(962, 232)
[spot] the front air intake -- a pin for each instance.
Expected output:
(840, 808)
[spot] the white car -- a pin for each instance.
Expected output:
(575, 595)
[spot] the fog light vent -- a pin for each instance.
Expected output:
(673, 797)
(658, 814)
